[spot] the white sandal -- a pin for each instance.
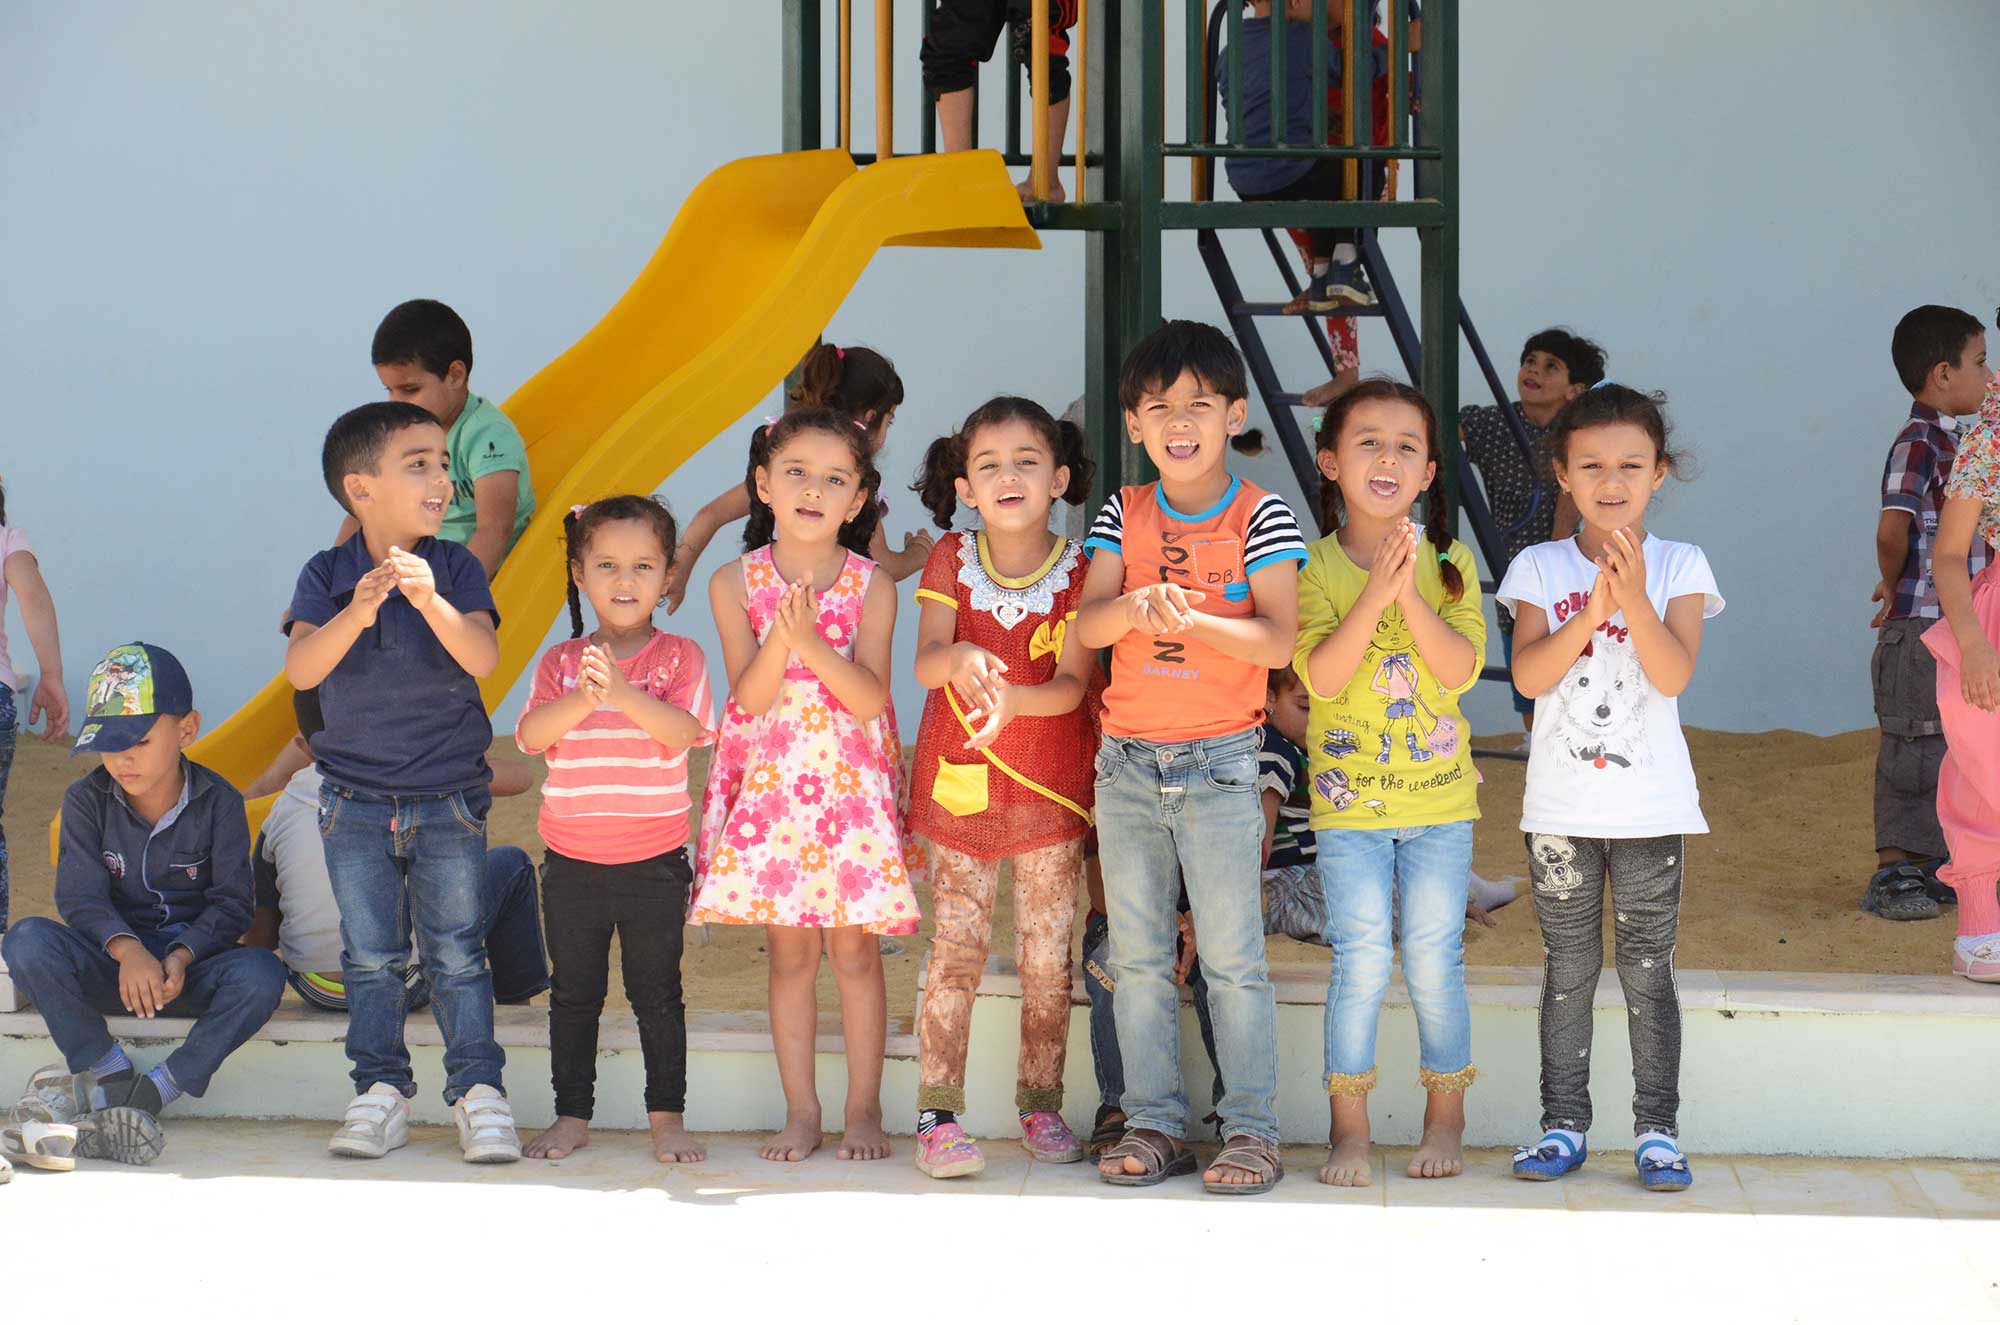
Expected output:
(50, 1146)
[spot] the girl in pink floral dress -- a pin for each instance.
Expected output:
(801, 823)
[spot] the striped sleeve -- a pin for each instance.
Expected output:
(1109, 530)
(547, 688)
(1277, 770)
(689, 690)
(1272, 535)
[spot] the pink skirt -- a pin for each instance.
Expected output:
(1969, 781)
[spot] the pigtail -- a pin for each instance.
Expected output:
(1072, 450)
(3, 501)
(936, 485)
(819, 378)
(1439, 521)
(573, 548)
(757, 530)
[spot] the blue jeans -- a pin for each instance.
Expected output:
(7, 721)
(512, 909)
(412, 862)
(1364, 870)
(73, 983)
(1187, 814)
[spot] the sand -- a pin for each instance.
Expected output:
(1774, 887)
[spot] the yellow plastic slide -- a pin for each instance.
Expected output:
(753, 268)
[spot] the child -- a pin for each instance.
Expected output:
(1294, 899)
(1940, 354)
(961, 38)
(20, 572)
(857, 382)
(1002, 768)
(1194, 588)
(801, 821)
(616, 714)
(1966, 644)
(1391, 633)
(423, 354)
(1333, 263)
(153, 886)
(395, 626)
(1557, 366)
(1610, 626)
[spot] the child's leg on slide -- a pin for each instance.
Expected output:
(864, 1024)
(794, 1026)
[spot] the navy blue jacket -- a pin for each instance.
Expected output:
(183, 883)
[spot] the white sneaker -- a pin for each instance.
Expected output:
(1977, 958)
(486, 1127)
(375, 1124)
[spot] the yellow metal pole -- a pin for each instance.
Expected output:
(1041, 169)
(847, 75)
(1079, 97)
(885, 79)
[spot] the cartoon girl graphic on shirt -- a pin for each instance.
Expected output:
(1396, 679)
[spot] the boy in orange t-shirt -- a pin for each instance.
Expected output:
(1193, 586)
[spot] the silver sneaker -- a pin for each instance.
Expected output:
(374, 1124)
(54, 1094)
(486, 1127)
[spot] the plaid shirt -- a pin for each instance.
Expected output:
(1913, 481)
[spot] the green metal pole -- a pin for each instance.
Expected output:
(801, 80)
(1440, 244)
(1141, 190)
(1101, 259)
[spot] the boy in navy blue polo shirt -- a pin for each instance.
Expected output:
(153, 885)
(393, 627)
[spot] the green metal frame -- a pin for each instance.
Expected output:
(1129, 216)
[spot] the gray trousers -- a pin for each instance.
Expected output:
(1645, 874)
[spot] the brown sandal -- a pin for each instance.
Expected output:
(1164, 1157)
(1106, 1131)
(1252, 1155)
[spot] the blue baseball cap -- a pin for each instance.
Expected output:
(130, 690)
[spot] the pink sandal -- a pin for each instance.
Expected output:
(948, 1153)
(1048, 1140)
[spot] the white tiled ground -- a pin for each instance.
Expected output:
(241, 1214)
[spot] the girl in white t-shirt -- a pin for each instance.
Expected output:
(1608, 626)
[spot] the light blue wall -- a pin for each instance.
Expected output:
(208, 208)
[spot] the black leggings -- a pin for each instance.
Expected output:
(1319, 184)
(962, 36)
(645, 903)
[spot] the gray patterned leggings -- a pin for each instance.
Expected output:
(1569, 875)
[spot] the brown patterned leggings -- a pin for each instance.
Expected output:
(962, 894)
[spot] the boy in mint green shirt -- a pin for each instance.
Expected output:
(423, 354)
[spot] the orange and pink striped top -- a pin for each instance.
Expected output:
(614, 794)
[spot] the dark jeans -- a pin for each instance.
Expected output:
(513, 926)
(1105, 1060)
(1904, 677)
(73, 983)
(645, 904)
(7, 721)
(1569, 875)
(404, 863)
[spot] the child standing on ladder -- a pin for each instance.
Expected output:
(1002, 768)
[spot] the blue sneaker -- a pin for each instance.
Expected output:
(1549, 1158)
(1662, 1167)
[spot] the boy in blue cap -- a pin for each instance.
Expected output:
(153, 886)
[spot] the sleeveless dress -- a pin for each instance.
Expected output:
(802, 818)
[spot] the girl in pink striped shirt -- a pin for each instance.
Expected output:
(615, 714)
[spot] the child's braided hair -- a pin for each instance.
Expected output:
(768, 440)
(1440, 521)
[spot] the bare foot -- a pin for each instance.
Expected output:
(566, 1137)
(799, 1139)
(1327, 392)
(864, 1139)
(1056, 193)
(1347, 1165)
(671, 1142)
(1441, 1154)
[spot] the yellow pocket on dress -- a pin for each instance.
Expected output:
(960, 788)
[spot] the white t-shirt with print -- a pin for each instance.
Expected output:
(1608, 759)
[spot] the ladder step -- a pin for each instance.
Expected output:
(1249, 308)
